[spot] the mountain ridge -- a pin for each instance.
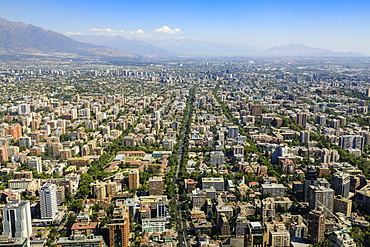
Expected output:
(139, 47)
(300, 50)
(21, 38)
(18, 38)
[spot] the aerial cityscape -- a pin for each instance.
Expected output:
(166, 138)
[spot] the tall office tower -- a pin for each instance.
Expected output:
(217, 158)
(304, 137)
(341, 183)
(17, 219)
(48, 200)
(316, 226)
(256, 110)
(233, 132)
(302, 118)
(133, 179)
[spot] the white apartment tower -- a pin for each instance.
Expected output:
(17, 219)
(48, 200)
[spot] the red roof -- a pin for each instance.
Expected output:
(190, 181)
(78, 226)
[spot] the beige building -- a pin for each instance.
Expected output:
(343, 205)
(134, 179)
(279, 238)
(65, 154)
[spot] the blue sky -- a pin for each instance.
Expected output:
(338, 25)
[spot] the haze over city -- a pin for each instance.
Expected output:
(335, 25)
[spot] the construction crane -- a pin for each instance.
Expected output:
(335, 216)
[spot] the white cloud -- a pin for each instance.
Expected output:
(139, 31)
(109, 31)
(167, 29)
(74, 33)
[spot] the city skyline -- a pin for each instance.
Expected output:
(335, 25)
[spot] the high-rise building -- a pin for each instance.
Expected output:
(17, 219)
(217, 158)
(223, 225)
(256, 110)
(268, 209)
(343, 205)
(24, 108)
(348, 142)
(254, 235)
(25, 141)
(156, 186)
(35, 163)
(279, 237)
(316, 226)
(368, 92)
(342, 120)
(310, 178)
(133, 179)
(56, 147)
(341, 183)
(321, 119)
(60, 193)
(320, 196)
(157, 115)
(48, 201)
(65, 154)
(14, 130)
(238, 151)
(119, 229)
(301, 118)
(233, 132)
(304, 136)
(329, 155)
(3, 154)
(99, 190)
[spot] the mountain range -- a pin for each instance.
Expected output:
(17, 38)
(24, 39)
(122, 44)
(298, 50)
